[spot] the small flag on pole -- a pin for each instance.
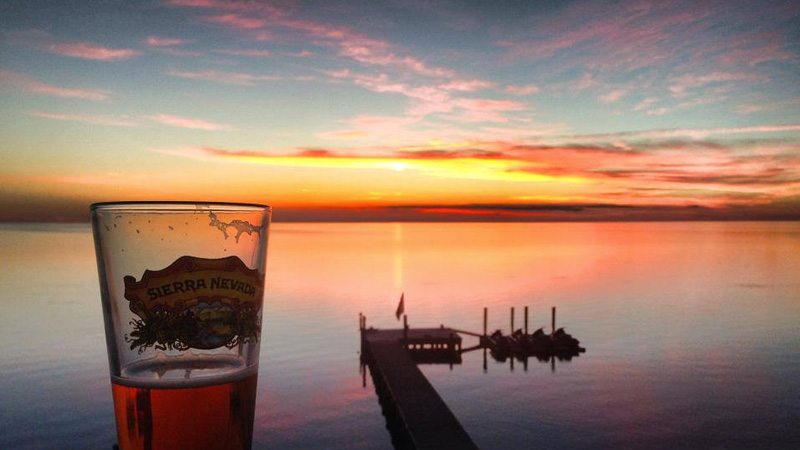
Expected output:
(401, 307)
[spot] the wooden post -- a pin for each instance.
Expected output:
(405, 327)
(512, 320)
(553, 321)
(485, 314)
(526, 320)
(360, 321)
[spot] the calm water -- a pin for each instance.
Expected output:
(692, 331)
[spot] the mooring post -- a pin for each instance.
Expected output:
(526, 320)
(553, 321)
(512, 320)
(360, 321)
(485, 314)
(405, 327)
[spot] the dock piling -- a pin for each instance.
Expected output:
(512, 320)
(553, 321)
(526, 320)
(485, 315)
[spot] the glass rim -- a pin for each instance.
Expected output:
(167, 205)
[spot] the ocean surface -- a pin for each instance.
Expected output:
(692, 333)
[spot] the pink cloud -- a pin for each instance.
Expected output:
(91, 51)
(466, 85)
(237, 21)
(253, 17)
(216, 76)
(155, 41)
(691, 133)
(586, 81)
(627, 36)
(527, 89)
(613, 96)
(680, 85)
(645, 103)
(28, 84)
(437, 98)
(115, 121)
(485, 104)
(188, 122)
(756, 55)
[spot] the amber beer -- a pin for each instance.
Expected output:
(208, 416)
(182, 288)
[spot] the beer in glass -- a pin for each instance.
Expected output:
(182, 288)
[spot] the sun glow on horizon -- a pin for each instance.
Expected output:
(563, 117)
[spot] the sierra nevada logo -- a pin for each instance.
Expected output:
(195, 303)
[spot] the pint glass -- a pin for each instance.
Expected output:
(182, 287)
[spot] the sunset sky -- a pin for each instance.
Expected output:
(403, 110)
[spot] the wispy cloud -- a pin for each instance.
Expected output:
(691, 133)
(526, 89)
(156, 41)
(613, 96)
(680, 85)
(25, 83)
(189, 122)
(249, 53)
(466, 85)
(95, 119)
(255, 18)
(133, 121)
(218, 76)
(86, 50)
(237, 21)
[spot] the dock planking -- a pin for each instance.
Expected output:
(427, 421)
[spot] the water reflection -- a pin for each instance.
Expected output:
(677, 317)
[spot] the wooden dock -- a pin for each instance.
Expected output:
(405, 394)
